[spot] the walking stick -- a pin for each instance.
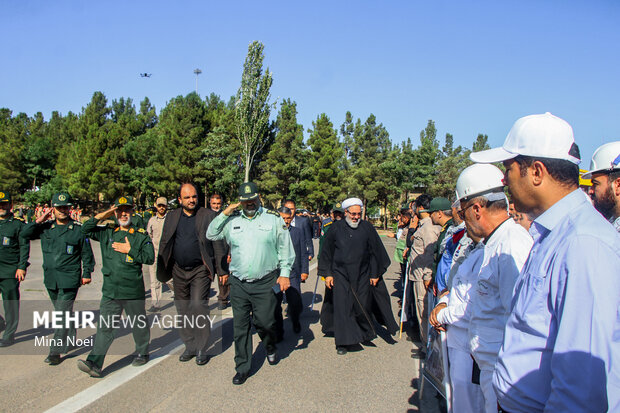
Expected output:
(316, 284)
(402, 307)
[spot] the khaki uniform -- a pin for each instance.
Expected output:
(421, 260)
(154, 229)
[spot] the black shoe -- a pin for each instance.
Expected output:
(296, 327)
(187, 355)
(240, 378)
(89, 368)
(273, 358)
(341, 350)
(153, 309)
(53, 359)
(140, 360)
(202, 358)
(7, 342)
(368, 343)
(222, 306)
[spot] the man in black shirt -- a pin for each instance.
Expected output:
(189, 258)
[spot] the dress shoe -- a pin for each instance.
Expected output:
(341, 350)
(53, 359)
(187, 355)
(296, 327)
(202, 358)
(222, 306)
(7, 342)
(140, 360)
(272, 358)
(240, 378)
(89, 368)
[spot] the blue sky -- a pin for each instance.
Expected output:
(471, 66)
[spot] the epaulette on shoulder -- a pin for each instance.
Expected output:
(141, 231)
(272, 212)
(19, 218)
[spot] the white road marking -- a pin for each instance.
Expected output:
(117, 379)
(120, 377)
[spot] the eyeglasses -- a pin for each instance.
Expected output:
(355, 214)
(462, 211)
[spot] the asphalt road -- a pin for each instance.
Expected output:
(309, 377)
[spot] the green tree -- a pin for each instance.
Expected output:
(283, 167)
(450, 163)
(221, 165)
(322, 184)
(13, 131)
(425, 157)
(253, 107)
(369, 149)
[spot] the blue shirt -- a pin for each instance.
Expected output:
(558, 341)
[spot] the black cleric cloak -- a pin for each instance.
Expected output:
(353, 257)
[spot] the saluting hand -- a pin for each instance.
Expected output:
(106, 214)
(230, 208)
(122, 247)
(44, 217)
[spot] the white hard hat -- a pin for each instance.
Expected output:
(605, 158)
(543, 135)
(479, 179)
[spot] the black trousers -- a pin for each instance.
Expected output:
(252, 302)
(191, 299)
(295, 305)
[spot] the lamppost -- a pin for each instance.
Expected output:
(197, 72)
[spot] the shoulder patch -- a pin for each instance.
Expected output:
(272, 212)
(140, 230)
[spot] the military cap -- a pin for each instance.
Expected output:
(248, 191)
(124, 201)
(5, 196)
(338, 208)
(61, 199)
(438, 204)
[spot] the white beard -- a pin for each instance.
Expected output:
(126, 224)
(351, 223)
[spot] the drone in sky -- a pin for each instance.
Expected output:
(145, 74)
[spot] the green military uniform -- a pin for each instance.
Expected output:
(146, 216)
(14, 252)
(123, 285)
(30, 215)
(67, 258)
(260, 250)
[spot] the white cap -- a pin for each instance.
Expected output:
(540, 136)
(349, 202)
(480, 180)
(605, 158)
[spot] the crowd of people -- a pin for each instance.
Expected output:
(525, 286)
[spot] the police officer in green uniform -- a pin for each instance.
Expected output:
(124, 248)
(68, 261)
(14, 251)
(262, 255)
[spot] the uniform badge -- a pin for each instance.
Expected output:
(6, 241)
(128, 258)
(248, 189)
(122, 200)
(1, 195)
(62, 198)
(69, 249)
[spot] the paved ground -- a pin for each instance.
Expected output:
(310, 376)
